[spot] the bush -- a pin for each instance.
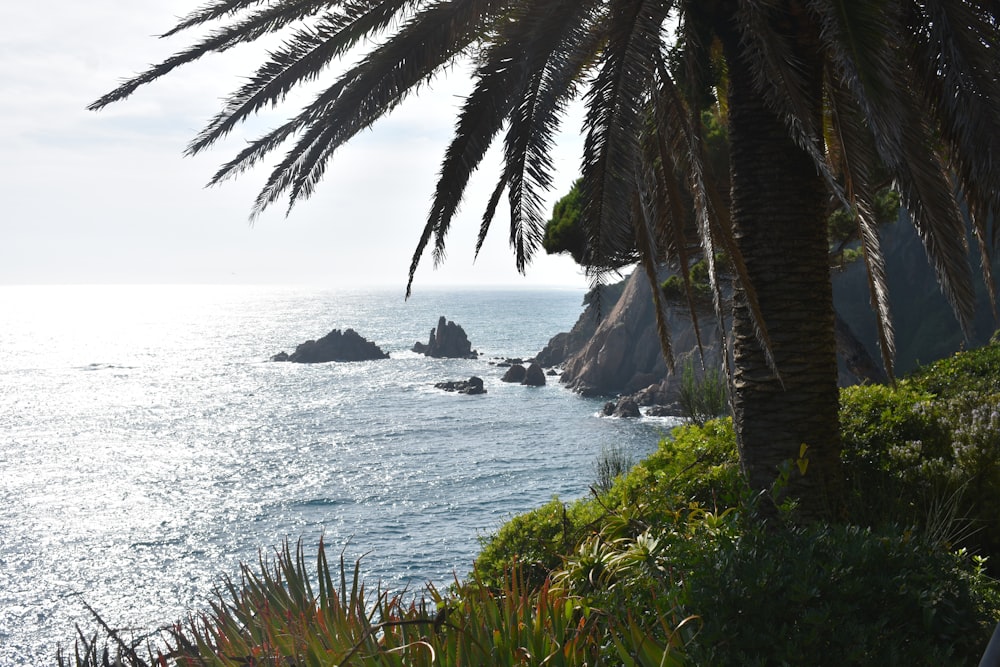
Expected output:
(702, 398)
(838, 595)
(927, 452)
(534, 542)
(613, 462)
(974, 371)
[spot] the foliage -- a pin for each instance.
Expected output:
(286, 613)
(613, 462)
(837, 595)
(970, 371)
(927, 451)
(534, 541)
(702, 397)
(564, 232)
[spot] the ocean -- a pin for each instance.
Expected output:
(148, 446)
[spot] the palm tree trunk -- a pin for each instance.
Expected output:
(779, 219)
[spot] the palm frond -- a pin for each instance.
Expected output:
(370, 90)
(616, 103)
(670, 220)
(857, 159)
(303, 57)
(248, 29)
(870, 67)
(546, 41)
(556, 54)
(645, 241)
(954, 47)
(711, 212)
(212, 12)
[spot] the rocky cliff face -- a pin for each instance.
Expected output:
(619, 353)
(622, 353)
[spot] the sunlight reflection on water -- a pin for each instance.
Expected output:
(149, 447)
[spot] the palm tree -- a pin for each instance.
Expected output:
(818, 96)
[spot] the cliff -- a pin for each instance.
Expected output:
(619, 353)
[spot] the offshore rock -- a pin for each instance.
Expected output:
(624, 408)
(534, 376)
(516, 373)
(335, 346)
(447, 341)
(472, 386)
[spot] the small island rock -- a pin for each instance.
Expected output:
(447, 341)
(472, 386)
(335, 346)
(534, 376)
(516, 373)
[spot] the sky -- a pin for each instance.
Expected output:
(108, 197)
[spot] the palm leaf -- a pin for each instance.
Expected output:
(616, 103)
(855, 141)
(954, 46)
(370, 90)
(303, 58)
(868, 64)
(254, 26)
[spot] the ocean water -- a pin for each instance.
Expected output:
(147, 446)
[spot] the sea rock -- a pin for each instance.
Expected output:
(472, 386)
(534, 376)
(516, 373)
(625, 407)
(335, 346)
(447, 341)
(664, 411)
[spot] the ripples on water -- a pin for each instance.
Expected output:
(147, 447)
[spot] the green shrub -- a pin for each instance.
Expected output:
(613, 462)
(927, 452)
(695, 464)
(698, 465)
(973, 371)
(837, 595)
(889, 435)
(534, 541)
(702, 397)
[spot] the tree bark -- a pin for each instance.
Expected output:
(778, 211)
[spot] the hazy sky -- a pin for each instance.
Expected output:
(108, 197)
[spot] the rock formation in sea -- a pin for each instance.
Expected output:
(515, 373)
(472, 386)
(335, 346)
(447, 340)
(534, 376)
